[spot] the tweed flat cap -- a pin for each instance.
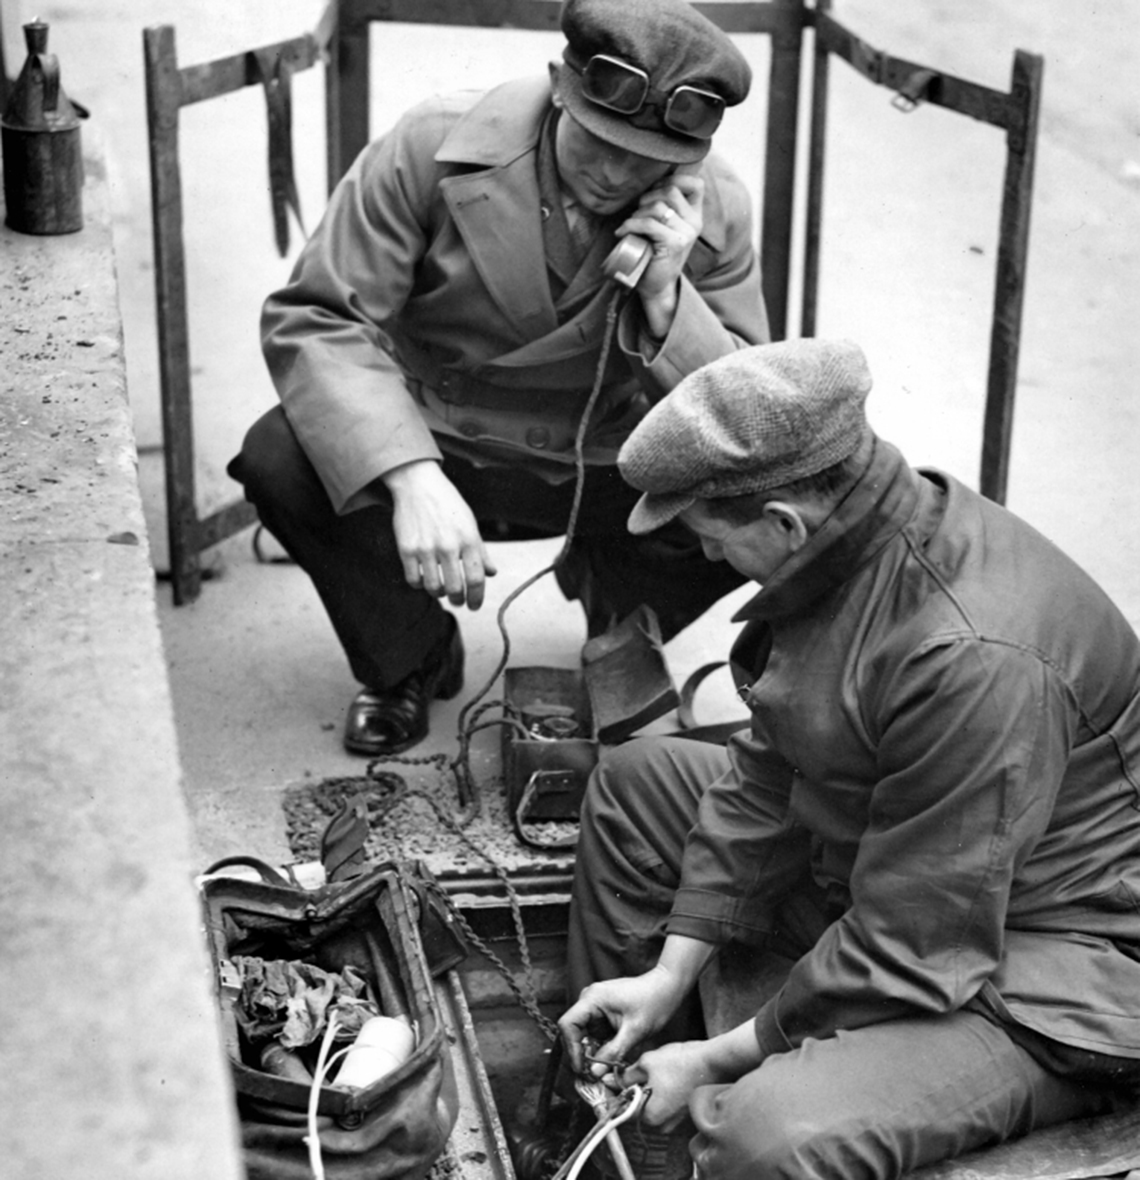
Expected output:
(673, 43)
(756, 419)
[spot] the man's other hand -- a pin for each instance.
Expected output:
(437, 535)
(671, 1073)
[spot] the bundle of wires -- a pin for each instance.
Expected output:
(629, 1103)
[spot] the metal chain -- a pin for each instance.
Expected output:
(528, 998)
(476, 707)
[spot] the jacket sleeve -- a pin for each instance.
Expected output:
(721, 305)
(972, 749)
(323, 334)
(744, 853)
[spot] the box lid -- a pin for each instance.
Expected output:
(627, 677)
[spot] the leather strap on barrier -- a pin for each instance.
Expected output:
(276, 79)
(911, 82)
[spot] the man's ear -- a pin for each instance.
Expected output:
(788, 520)
(555, 80)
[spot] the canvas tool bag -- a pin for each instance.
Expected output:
(393, 1128)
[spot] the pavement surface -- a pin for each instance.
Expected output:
(110, 1011)
(258, 682)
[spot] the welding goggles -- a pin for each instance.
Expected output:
(625, 89)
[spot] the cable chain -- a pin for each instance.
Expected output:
(460, 766)
(528, 1002)
(527, 999)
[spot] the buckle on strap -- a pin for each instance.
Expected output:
(914, 90)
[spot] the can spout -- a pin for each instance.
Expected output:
(36, 36)
(43, 161)
(37, 101)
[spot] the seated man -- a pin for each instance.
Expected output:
(927, 843)
(444, 328)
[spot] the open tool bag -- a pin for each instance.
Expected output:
(286, 960)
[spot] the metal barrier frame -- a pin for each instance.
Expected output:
(169, 88)
(342, 41)
(1016, 113)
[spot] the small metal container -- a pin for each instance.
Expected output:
(565, 715)
(43, 160)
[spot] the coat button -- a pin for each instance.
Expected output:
(468, 428)
(538, 437)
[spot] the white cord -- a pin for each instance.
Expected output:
(603, 1129)
(324, 1064)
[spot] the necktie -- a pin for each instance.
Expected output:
(583, 228)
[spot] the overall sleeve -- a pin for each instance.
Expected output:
(744, 852)
(721, 305)
(323, 333)
(972, 748)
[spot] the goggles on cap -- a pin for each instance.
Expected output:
(623, 88)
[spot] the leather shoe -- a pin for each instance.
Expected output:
(390, 720)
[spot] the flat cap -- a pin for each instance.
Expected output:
(756, 419)
(674, 44)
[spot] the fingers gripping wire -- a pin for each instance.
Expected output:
(590, 1054)
(612, 1111)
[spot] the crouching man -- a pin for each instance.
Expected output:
(926, 847)
(437, 344)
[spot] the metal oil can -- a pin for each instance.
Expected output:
(43, 161)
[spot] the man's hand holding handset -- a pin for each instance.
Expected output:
(655, 242)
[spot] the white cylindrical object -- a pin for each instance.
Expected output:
(382, 1045)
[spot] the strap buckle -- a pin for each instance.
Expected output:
(914, 90)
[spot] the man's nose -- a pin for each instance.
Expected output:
(619, 168)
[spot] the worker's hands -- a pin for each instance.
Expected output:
(670, 217)
(672, 1073)
(635, 1007)
(437, 535)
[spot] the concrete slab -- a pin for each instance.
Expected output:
(109, 1060)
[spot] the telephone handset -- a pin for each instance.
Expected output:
(627, 261)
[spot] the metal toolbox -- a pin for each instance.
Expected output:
(561, 717)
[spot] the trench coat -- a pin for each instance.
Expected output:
(946, 731)
(421, 310)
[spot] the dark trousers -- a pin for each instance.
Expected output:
(871, 1103)
(386, 627)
